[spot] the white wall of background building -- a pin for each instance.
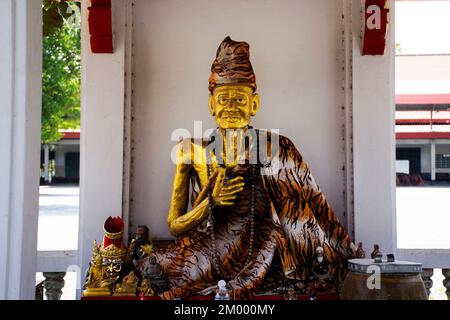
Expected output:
(62, 149)
(442, 147)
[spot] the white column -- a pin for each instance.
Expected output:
(374, 139)
(433, 160)
(46, 163)
(102, 127)
(20, 109)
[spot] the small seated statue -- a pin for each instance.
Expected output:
(128, 287)
(290, 293)
(152, 270)
(320, 264)
(222, 291)
(248, 212)
(96, 284)
(146, 289)
(320, 280)
(376, 251)
(360, 253)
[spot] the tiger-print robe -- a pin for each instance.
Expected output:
(292, 218)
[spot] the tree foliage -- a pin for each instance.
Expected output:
(61, 69)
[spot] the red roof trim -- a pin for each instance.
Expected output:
(422, 135)
(71, 135)
(419, 54)
(421, 121)
(422, 98)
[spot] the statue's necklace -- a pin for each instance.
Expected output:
(216, 256)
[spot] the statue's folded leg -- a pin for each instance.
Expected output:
(248, 281)
(187, 270)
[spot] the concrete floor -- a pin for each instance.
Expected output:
(423, 217)
(58, 218)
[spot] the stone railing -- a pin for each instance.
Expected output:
(446, 281)
(53, 285)
(53, 265)
(427, 274)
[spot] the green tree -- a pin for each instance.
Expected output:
(60, 70)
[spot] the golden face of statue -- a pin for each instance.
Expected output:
(233, 105)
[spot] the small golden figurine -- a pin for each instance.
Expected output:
(128, 287)
(95, 281)
(146, 250)
(112, 249)
(107, 260)
(146, 288)
(360, 253)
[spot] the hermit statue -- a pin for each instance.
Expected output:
(257, 214)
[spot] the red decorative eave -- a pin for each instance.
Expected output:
(71, 135)
(422, 121)
(422, 135)
(100, 26)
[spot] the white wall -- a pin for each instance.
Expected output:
(101, 141)
(296, 53)
(443, 149)
(60, 157)
(425, 155)
(425, 161)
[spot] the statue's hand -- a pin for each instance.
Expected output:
(226, 191)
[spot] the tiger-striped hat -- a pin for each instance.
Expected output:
(232, 65)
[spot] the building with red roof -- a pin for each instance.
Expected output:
(422, 116)
(60, 161)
